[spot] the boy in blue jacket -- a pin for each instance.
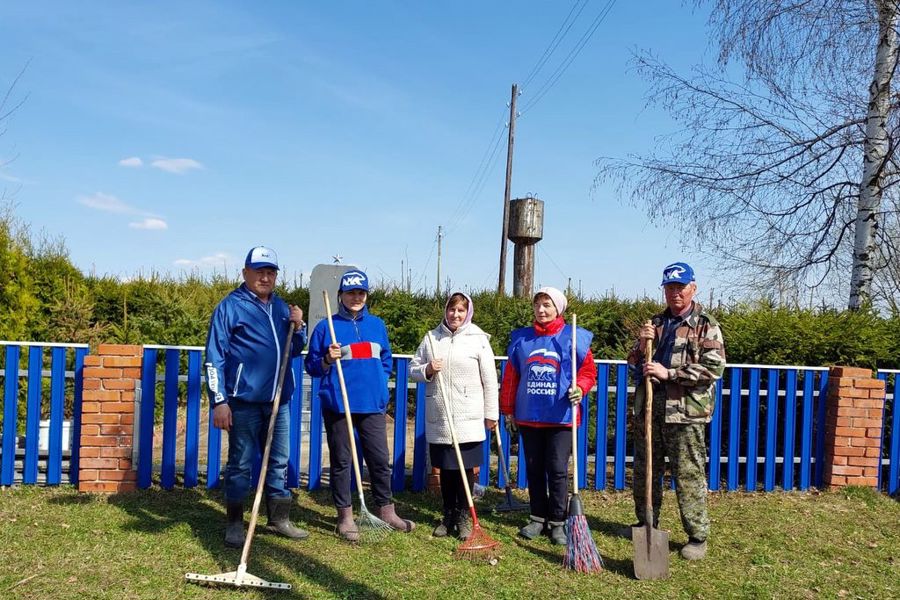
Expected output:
(365, 355)
(243, 355)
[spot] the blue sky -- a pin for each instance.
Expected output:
(172, 136)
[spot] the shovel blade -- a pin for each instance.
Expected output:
(651, 553)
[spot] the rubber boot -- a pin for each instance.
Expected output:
(346, 526)
(534, 528)
(279, 510)
(447, 524)
(694, 550)
(234, 526)
(465, 525)
(389, 516)
(558, 535)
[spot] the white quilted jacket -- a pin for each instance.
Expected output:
(470, 378)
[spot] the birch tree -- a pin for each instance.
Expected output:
(784, 164)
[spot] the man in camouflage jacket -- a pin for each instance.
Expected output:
(688, 358)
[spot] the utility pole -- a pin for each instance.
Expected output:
(439, 263)
(501, 285)
(402, 272)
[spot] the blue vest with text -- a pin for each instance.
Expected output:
(544, 364)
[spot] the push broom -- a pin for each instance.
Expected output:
(581, 551)
(241, 577)
(370, 527)
(479, 546)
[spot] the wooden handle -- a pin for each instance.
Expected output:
(459, 460)
(276, 404)
(575, 407)
(347, 417)
(648, 437)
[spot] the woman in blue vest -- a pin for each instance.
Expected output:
(539, 397)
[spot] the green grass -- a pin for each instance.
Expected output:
(55, 543)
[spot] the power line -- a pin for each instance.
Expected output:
(570, 57)
(473, 191)
(550, 258)
(554, 43)
(427, 263)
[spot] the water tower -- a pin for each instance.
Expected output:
(526, 228)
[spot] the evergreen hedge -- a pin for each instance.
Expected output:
(45, 298)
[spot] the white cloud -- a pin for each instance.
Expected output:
(219, 259)
(132, 161)
(178, 166)
(112, 204)
(149, 223)
(108, 203)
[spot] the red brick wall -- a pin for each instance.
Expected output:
(853, 427)
(107, 419)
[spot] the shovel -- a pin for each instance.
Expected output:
(651, 545)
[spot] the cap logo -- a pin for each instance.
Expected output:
(675, 272)
(352, 279)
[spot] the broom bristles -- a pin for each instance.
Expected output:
(581, 551)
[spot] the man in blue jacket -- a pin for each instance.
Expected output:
(243, 355)
(365, 355)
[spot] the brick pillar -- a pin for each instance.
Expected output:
(107, 419)
(853, 425)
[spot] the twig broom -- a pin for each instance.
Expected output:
(479, 546)
(581, 551)
(370, 527)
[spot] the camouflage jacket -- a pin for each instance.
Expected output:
(697, 362)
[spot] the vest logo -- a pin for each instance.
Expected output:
(543, 372)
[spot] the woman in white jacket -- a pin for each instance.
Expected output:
(460, 353)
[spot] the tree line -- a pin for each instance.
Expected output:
(46, 298)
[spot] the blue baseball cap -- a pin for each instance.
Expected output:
(354, 280)
(678, 273)
(261, 257)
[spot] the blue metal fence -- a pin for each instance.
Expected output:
(47, 367)
(768, 428)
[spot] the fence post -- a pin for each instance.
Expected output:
(853, 428)
(107, 423)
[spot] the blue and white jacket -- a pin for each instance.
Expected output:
(244, 347)
(365, 360)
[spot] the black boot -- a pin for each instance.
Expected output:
(558, 535)
(465, 525)
(234, 526)
(279, 510)
(447, 524)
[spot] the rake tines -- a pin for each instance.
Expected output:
(480, 546)
(371, 528)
